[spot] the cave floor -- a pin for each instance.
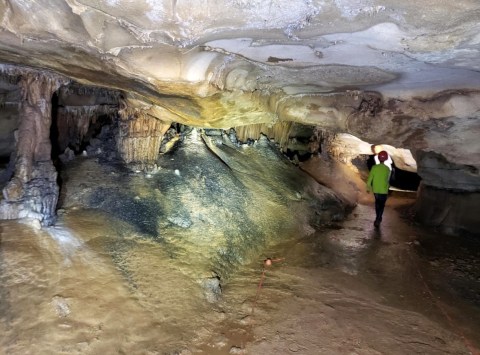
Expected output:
(352, 289)
(76, 288)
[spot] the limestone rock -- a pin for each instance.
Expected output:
(451, 211)
(438, 172)
(14, 190)
(212, 289)
(68, 155)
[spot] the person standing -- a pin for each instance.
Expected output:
(378, 182)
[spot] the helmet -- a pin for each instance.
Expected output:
(382, 156)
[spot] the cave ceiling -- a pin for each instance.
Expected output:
(229, 63)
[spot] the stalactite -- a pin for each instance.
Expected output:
(139, 138)
(280, 132)
(10, 74)
(73, 123)
(99, 94)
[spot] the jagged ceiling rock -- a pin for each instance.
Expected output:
(371, 68)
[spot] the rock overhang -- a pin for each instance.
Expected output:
(381, 45)
(237, 62)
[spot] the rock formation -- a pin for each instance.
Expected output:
(79, 111)
(32, 190)
(139, 138)
(402, 75)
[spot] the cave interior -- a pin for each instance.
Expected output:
(224, 133)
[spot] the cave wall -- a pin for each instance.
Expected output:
(449, 196)
(388, 72)
(453, 212)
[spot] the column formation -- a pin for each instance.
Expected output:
(139, 137)
(33, 191)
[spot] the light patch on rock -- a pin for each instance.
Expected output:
(278, 14)
(286, 55)
(26, 4)
(32, 222)
(61, 306)
(67, 242)
(156, 12)
(196, 66)
(212, 289)
(351, 9)
(116, 50)
(383, 36)
(183, 222)
(237, 350)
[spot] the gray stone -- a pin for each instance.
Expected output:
(212, 289)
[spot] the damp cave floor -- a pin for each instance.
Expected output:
(353, 289)
(348, 288)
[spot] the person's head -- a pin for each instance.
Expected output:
(382, 156)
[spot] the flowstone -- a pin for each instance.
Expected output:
(213, 205)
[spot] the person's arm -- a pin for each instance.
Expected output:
(369, 181)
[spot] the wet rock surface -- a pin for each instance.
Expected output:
(217, 202)
(353, 289)
(95, 284)
(450, 211)
(178, 254)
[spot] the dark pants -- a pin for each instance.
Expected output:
(380, 200)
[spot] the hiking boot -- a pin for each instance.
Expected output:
(376, 223)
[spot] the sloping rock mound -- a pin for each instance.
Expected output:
(216, 205)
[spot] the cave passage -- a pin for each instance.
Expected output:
(190, 235)
(98, 281)
(189, 177)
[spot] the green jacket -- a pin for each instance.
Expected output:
(378, 179)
